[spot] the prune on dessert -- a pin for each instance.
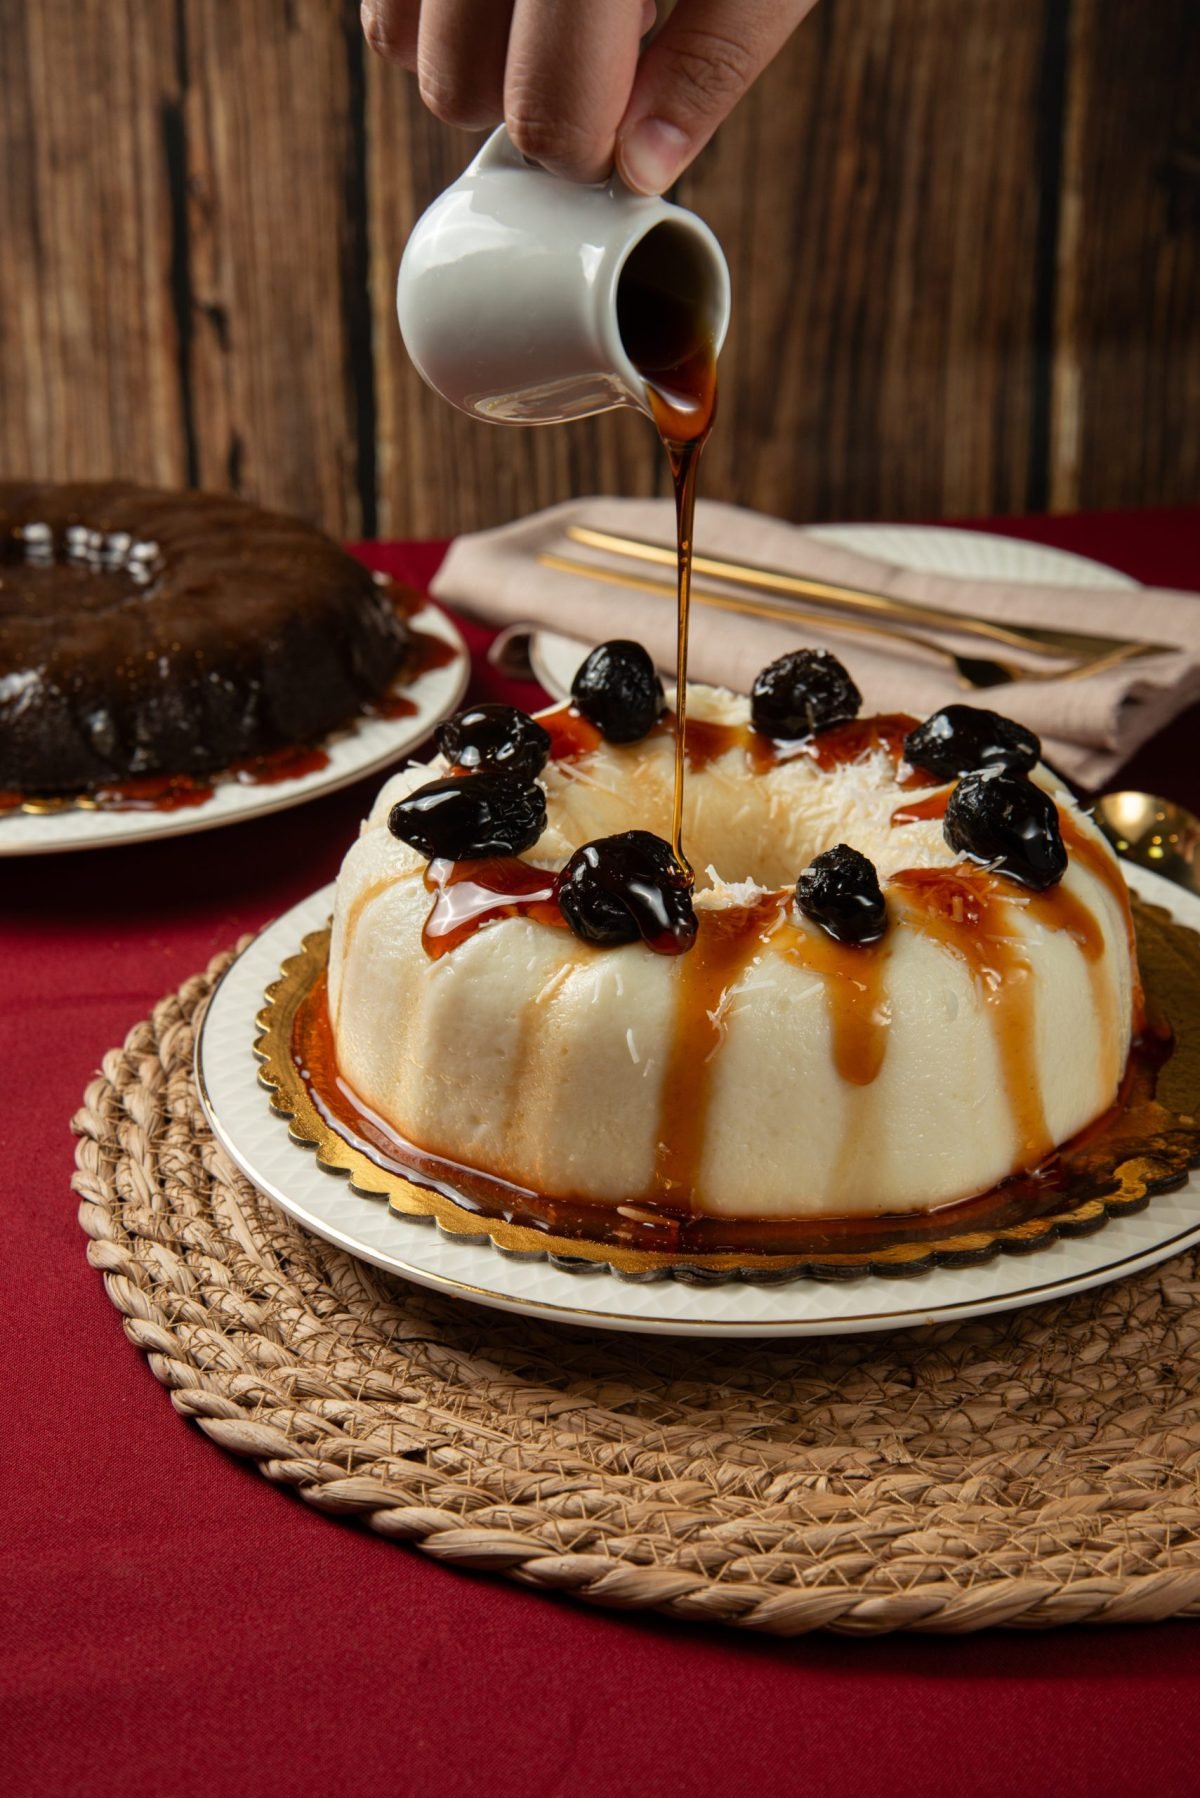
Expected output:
(495, 737)
(471, 816)
(628, 886)
(967, 739)
(840, 891)
(1006, 820)
(618, 690)
(801, 693)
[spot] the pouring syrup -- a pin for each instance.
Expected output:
(668, 336)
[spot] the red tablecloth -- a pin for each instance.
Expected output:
(175, 1625)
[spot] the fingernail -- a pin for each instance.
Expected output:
(651, 154)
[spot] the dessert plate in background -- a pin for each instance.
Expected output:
(369, 746)
(257, 1140)
(932, 549)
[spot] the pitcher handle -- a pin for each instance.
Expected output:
(499, 152)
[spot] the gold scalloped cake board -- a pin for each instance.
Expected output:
(1037, 1468)
(1169, 955)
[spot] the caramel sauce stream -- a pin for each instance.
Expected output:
(671, 346)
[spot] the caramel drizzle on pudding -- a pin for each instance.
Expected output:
(469, 894)
(705, 741)
(571, 734)
(1100, 863)
(1081, 1166)
(918, 811)
(859, 1014)
(725, 943)
(850, 742)
(1060, 909)
(966, 911)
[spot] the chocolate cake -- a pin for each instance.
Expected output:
(147, 632)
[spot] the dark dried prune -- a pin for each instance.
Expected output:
(840, 891)
(628, 886)
(1003, 819)
(967, 739)
(471, 816)
(495, 737)
(618, 690)
(801, 693)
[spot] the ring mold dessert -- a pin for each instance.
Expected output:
(904, 973)
(147, 632)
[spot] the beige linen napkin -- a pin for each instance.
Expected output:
(1089, 727)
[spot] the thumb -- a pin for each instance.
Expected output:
(691, 76)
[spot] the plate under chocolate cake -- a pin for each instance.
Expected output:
(147, 632)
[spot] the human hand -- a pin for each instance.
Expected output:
(565, 75)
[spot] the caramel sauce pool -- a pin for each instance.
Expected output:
(652, 1222)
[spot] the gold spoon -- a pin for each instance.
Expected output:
(1155, 833)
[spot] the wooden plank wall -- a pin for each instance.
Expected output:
(964, 234)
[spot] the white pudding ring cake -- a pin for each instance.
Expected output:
(904, 973)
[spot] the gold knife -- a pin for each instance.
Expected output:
(1035, 639)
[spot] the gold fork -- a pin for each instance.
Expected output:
(972, 671)
(1037, 639)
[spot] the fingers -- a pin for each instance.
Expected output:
(692, 75)
(390, 27)
(569, 75)
(461, 50)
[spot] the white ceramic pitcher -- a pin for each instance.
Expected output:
(507, 292)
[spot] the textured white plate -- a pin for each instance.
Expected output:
(934, 549)
(975, 555)
(258, 1141)
(374, 743)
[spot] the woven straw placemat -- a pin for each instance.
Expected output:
(1035, 1469)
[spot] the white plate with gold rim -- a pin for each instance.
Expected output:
(257, 1140)
(371, 744)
